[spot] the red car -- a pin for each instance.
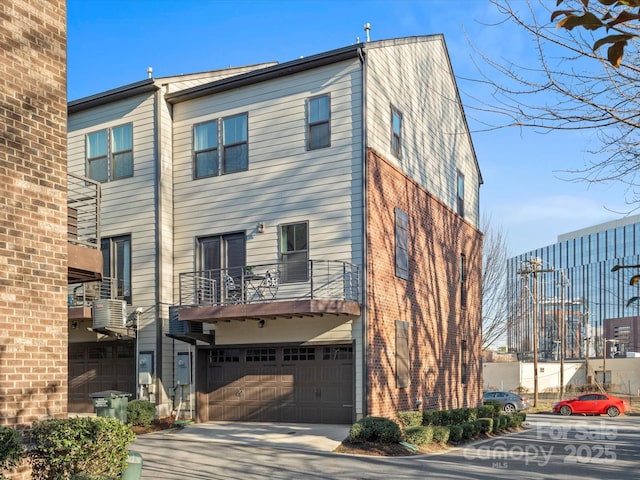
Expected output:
(593, 404)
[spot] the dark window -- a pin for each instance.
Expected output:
(116, 266)
(396, 133)
(261, 355)
(460, 195)
(205, 147)
(228, 136)
(299, 353)
(402, 354)
(224, 356)
(463, 361)
(294, 251)
(463, 281)
(337, 353)
(319, 122)
(402, 244)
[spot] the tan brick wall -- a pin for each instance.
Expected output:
(429, 300)
(33, 218)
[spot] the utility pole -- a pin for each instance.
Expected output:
(533, 269)
(563, 283)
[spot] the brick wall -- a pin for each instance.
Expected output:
(429, 300)
(33, 213)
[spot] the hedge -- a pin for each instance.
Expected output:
(485, 425)
(140, 412)
(11, 451)
(441, 434)
(419, 435)
(375, 429)
(410, 418)
(79, 447)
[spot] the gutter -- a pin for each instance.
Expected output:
(120, 93)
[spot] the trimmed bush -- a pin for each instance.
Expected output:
(500, 423)
(79, 447)
(487, 411)
(455, 433)
(463, 415)
(485, 425)
(140, 412)
(469, 430)
(410, 418)
(440, 434)
(11, 451)
(497, 407)
(375, 429)
(419, 435)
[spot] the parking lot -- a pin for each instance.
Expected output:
(550, 447)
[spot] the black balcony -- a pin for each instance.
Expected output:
(309, 289)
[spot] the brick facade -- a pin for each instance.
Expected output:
(33, 214)
(429, 300)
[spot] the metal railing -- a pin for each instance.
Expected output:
(83, 211)
(84, 294)
(312, 279)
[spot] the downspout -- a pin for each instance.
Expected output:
(158, 243)
(364, 281)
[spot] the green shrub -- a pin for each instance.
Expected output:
(429, 417)
(79, 447)
(11, 451)
(463, 415)
(487, 411)
(140, 412)
(469, 430)
(455, 433)
(441, 434)
(497, 407)
(500, 423)
(419, 435)
(513, 421)
(375, 429)
(410, 418)
(485, 425)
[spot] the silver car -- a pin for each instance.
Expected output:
(511, 402)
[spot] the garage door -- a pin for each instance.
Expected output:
(292, 384)
(96, 367)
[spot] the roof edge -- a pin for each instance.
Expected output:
(144, 86)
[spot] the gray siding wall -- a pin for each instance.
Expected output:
(414, 75)
(285, 182)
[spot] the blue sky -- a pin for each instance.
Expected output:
(112, 42)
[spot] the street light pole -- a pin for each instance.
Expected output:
(535, 267)
(563, 283)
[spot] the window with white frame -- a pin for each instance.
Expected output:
(110, 153)
(221, 146)
(463, 281)
(294, 252)
(396, 132)
(318, 122)
(402, 243)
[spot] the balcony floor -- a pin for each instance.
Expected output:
(264, 310)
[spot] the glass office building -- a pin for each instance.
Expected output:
(580, 294)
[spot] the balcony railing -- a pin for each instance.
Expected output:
(84, 294)
(83, 211)
(309, 280)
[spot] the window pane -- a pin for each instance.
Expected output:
(122, 138)
(319, 109)
(123, 165)
(207, 163)
(235, 158)
(235, 129)
(319, 136)
(98, 169)
(396, 132)
(97, 144)
(295, 267)
(294, 250)
(122, 265)
(402, 244)
(205, 136)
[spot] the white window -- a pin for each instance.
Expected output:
(318, 122)
(396, 132)
(110, 153)
(294, 251)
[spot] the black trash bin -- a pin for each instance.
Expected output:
(111, 403)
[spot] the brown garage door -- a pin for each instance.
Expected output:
(293, 384)
(96, 367)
